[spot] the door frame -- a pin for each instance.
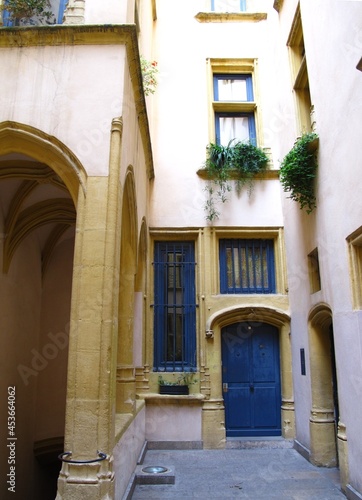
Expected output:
(328, 448)
(246, 340)
(214, 433)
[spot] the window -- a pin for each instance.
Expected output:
(247, 266)
(57, 8)
(62, 4)
(299, 70)
(174, 307)
(233, 124)
(314, 275)
(355, 259)
(232, 102)
(228, 5)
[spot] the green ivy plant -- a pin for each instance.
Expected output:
(26, 9)
(298, 170)
(238, 161)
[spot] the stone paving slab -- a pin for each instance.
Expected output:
(256, 474)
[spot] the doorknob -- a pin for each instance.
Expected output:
(225, 387)
(251, 387)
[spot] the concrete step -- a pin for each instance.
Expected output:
(248, 443)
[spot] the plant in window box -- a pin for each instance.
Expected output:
(240, 162)
(29, 11)
(299, 169)
(180, 386)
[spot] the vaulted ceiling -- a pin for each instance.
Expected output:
(33, 200)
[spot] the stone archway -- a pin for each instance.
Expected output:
(139, 340)
(328, 441)
(322, 420)
(39, 186)
(213, 411)
(126, 386)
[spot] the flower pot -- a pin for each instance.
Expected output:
(174, 389)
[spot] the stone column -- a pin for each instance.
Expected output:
(287, 410)
(90, 405)
(322, 437)
(343, 456)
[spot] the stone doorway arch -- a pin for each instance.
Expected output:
(328, 440)
(213, 411)
(323, 413)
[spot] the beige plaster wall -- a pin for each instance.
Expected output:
(127, 451)
(54, 332)
(333, 47)
(181, 128)
(20, 292)
(173, 422)
(71, 92)
(110, 12)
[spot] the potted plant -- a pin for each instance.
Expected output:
(27, 9)
(180, 386)
(299, 169)
(238, 161)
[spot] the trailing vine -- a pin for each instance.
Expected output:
(239, 162)
(298, 171)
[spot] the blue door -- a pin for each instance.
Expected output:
(251, 379)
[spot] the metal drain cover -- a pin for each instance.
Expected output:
(154, 469)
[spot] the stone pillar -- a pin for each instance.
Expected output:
(287, 409)
(74, 12)
(90, 406)
(323, 451)
(343, 456)
(213, 424)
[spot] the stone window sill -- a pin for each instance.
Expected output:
(230, 17)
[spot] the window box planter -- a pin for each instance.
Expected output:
(174, 389)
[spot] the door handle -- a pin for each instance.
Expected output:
(251, 387)
(225, 387)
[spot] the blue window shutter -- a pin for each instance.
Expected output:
(61, 10)
(249, 88)
(6, 19)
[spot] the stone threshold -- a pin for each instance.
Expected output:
(264, 442)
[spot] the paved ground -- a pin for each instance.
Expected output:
(258, 474)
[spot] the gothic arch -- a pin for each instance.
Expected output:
(40, 180)
(322, 422)
(46, 149)
(125, 401)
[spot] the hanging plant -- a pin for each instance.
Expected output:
(26, 9)
(239, 162)
(149, 71)
(298, 170)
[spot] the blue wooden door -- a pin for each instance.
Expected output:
(251, 380)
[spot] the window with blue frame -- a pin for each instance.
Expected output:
(228, 5)
(174, 306)
(247, 266)
(62, 5)
(57, 7)
(234, 108)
